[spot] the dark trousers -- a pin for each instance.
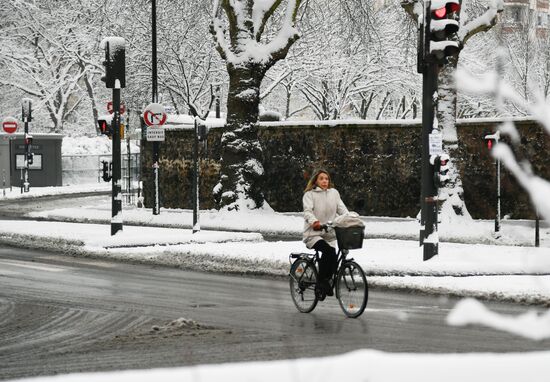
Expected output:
(328, 261)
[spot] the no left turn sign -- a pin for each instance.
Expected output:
(154, 115)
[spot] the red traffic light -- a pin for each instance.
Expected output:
(489, 144)
(440, 13)
(450, 6)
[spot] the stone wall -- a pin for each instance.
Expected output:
(376, 167)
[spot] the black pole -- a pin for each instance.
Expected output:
(428, 193)
(497, 216)
(196, 227)
(128, 161)
(27, 151)
(156, 145)
(116, 197)
(537, 229)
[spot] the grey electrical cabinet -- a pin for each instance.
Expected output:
(46, 168)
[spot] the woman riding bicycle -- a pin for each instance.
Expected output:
(322, 203)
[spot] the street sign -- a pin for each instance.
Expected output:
(121, 110)
(154, 115)
(9, 125)
(436, 143)
(155, 134)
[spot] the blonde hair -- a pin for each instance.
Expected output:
(313, 180)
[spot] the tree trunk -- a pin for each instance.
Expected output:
(241, 174)
(452, 195)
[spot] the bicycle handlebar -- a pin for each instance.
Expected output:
(326, 226)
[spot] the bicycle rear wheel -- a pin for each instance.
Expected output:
(352, 290)
(303, 278)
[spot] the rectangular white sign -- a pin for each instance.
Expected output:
(155, 134)
(436, 143)
(36, 163)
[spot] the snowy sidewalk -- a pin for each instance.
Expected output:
(513, 273)
(290, 225)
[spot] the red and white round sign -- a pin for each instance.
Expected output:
(154, 115)
(9, 125)
(121, 110)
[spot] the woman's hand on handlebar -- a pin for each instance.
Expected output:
(317, 226)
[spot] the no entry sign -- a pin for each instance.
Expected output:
(121, 110)
(9, 125)
(154, 115)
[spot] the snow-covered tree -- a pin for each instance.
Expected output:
(453, 206)
(251, 38)
(46, 57)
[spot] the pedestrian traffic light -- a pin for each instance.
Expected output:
(30, 158)
(441, 170)
(106, 168)
(115, 66)
(492, 140)
(443, 25)
(105, 127)
(28, 139)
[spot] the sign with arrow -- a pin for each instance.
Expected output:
(154, 115)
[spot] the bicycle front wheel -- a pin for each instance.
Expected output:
(303, 279)
(352, 290)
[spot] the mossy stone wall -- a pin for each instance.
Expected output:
(376, 167)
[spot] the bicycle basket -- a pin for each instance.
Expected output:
(350, 237)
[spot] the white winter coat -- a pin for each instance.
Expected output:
(322, 205)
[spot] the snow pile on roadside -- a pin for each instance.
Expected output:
(530, 324)
(98, 236)
(38, 192)
(285, 224)
(364, 365)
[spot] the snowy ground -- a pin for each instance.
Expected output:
(507, 272)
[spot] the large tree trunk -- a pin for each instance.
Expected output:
(242, 171)
(452, 207)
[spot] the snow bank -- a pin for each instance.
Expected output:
(364, 365)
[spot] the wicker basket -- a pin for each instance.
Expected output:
(350, 237)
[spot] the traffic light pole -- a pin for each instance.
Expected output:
(428, 194)
(116, 195)
(196, 224)
(25, 183)
(156, 145)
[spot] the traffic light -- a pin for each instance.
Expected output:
(107, 168)
(30, 158)
(441, 170)
(443, 24)
(492, 140)
(28, 140)
(115, 58)
(105, 127)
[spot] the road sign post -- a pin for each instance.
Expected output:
(154, 117)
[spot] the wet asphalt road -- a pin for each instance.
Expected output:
(60, 314)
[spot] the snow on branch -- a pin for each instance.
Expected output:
(482, 23)
(240, 41)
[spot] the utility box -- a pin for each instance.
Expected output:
(46, 169)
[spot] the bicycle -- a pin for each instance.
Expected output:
(351, 285)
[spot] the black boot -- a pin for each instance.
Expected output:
(327, 287)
